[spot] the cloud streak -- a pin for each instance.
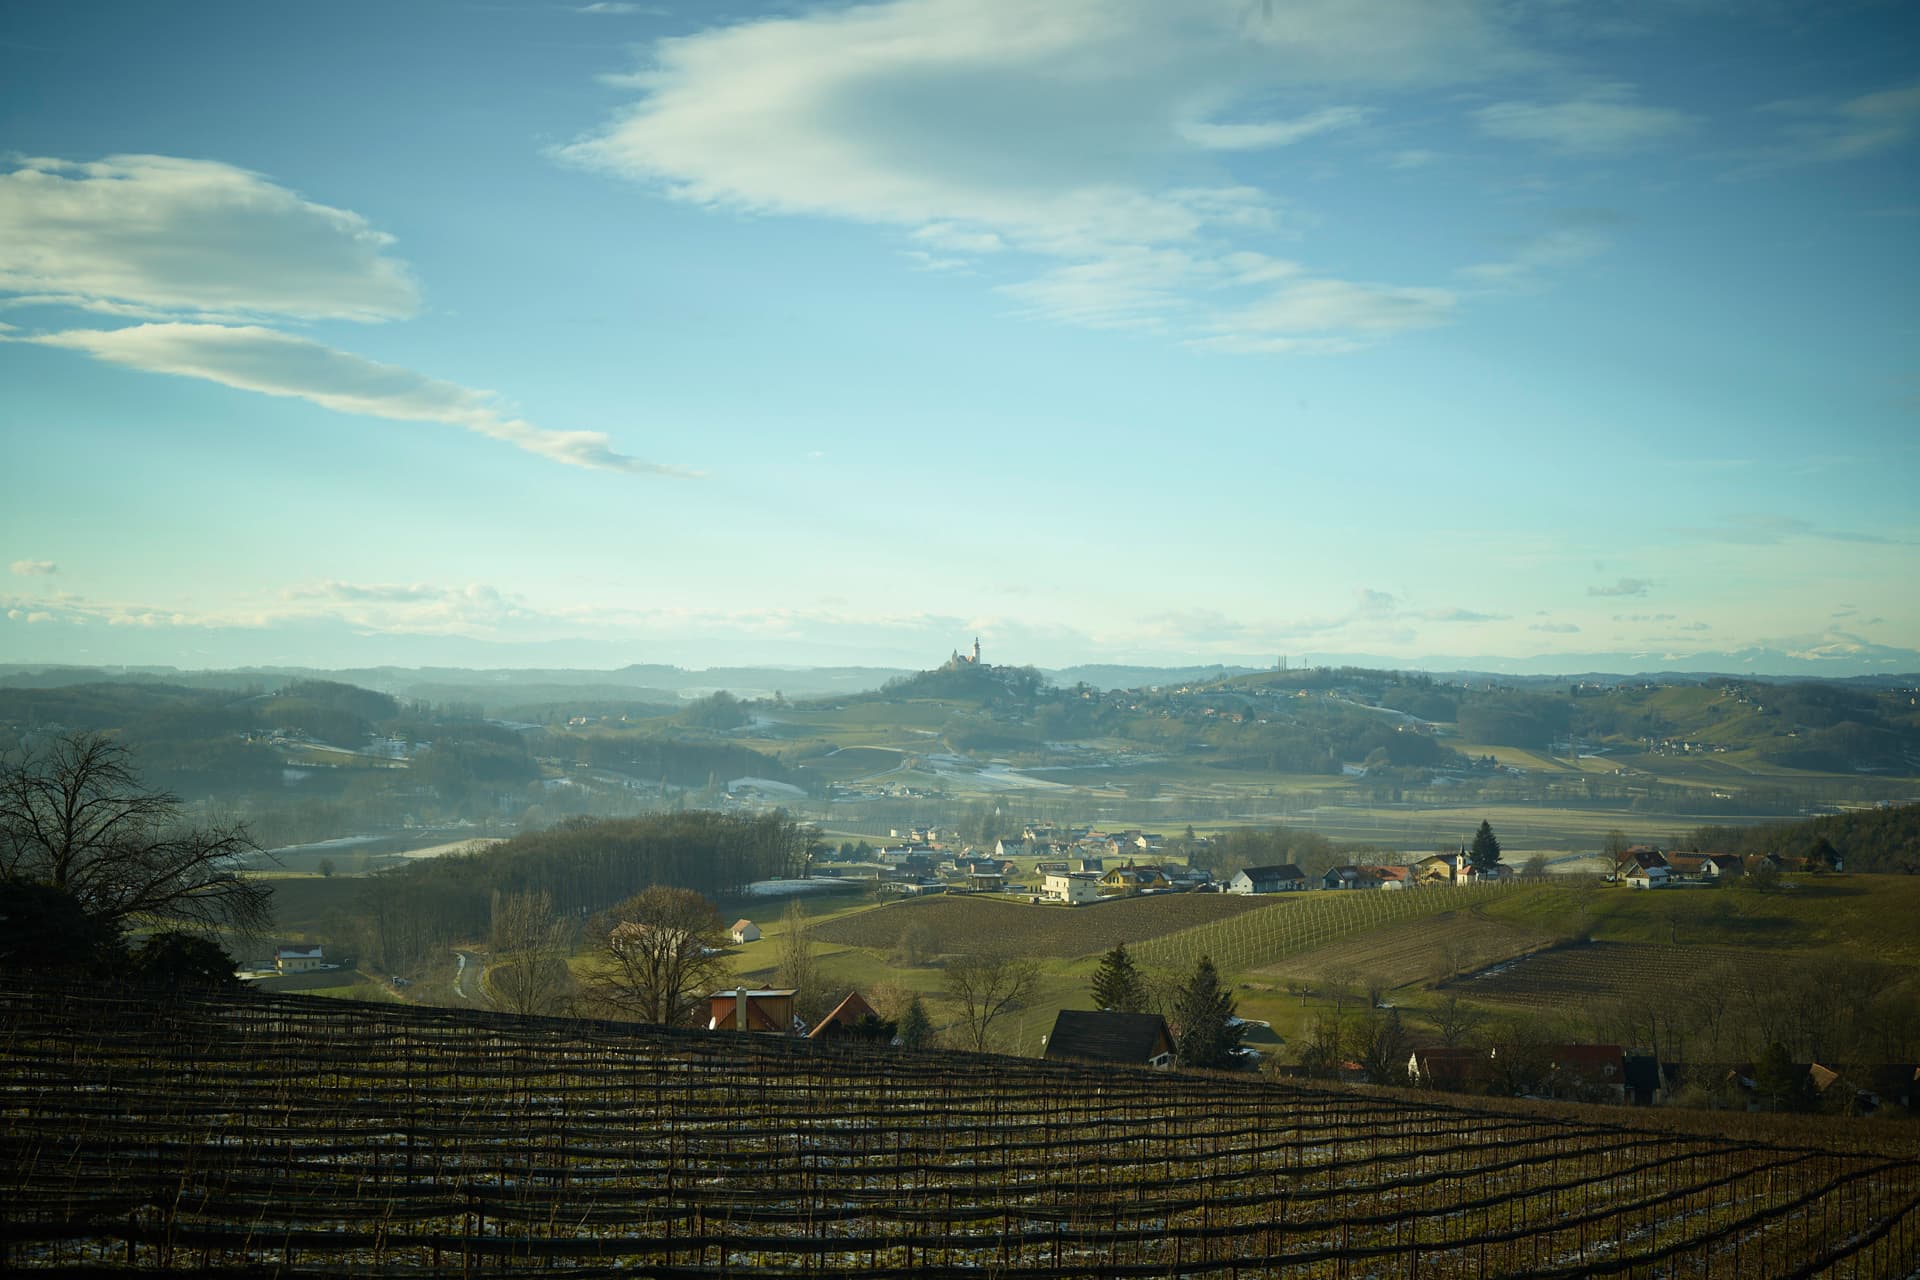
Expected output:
(33, 568)
(252, 358)
(145, 235)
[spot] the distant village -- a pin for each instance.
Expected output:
(1077, 866)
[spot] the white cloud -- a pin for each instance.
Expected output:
(159, 235)
(1216, 136)
(1093, 133)
(277, 364)
(1857, 127)
(1559, 247)
(1604, 119)
(34, 568)
(1339, 306)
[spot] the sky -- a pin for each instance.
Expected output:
(1529, 336)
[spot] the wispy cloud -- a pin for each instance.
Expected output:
(1554, 628)
(1769, 530)
(1623, 587)
(34, 568)
(277, 364)
(1826, 130)
(149, 235)
(1070, 133)
(1574, 236)
(1605, 118)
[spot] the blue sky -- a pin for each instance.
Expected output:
(1554, 335)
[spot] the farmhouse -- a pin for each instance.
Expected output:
(298, 959)
(1071, 887)
(745, 931)
(1132, 1039)
(1356, 877)
(1284, 878)
(1649, 877)
(741, 1009)
(1441, 868)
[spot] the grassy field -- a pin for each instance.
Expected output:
(1605, 972)
(1412, 952)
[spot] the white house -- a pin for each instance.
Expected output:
(298, 959)
(1649, 877)
(1072, 887)
(1285, 878)
(745, 931)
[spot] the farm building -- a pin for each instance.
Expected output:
(298, 959)
(852, 1019)
(1452, 1070)
(1132, 1039)
(1356, 877)
(1285, 878)
(741, 1009)
(745, 931)
(1441, 868)
(1649, 877)
(1072, 887)
(1587, 1072)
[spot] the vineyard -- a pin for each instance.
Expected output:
(957, 923)
(1571, 977)
(1415, 950)
(308, 1137)
(1302, 922)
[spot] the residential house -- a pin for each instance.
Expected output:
(1685, 865)
(1351, 877)
(1644, 856)
(1131, 1039)
(1072, 887)
(1095, 865)
(1283, 878)
(1720, 866)
(744, 931)
(1132, 879)
(1485, 875)
(987, 881)
(741, 1009)
(298, 959)
(1009, 848)
(1440, 869)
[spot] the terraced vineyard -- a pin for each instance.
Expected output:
(311, 1138)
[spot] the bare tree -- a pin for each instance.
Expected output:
(1454, 1019)
(529, 972)
(796, 966)
(988, 987)
(660, 953)
(74, 817)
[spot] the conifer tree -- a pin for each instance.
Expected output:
(916, 1029)
(1485, 855)
(1118, 986)
(1207, 1034)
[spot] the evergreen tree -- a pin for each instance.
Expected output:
(916, 1029)
(1118, 986)
(1207, 1034)
(1485, 854)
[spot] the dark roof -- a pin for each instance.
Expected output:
(1285, 871)
(848, 1013)
(1092, 1036)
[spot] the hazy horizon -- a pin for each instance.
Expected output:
(1446, 334)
